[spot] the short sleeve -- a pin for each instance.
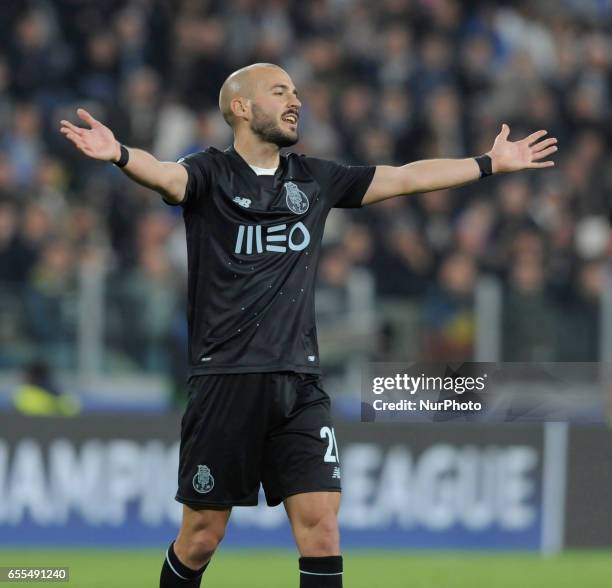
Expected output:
(345, 185)
(198, 168)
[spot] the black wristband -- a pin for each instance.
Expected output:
(485, 164)
(125, 156)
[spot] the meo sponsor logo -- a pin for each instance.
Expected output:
(251, 238)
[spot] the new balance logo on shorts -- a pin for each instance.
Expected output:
(336, 473)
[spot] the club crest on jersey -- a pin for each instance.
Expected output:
(203, 482)
(297, 201)
(244, 202)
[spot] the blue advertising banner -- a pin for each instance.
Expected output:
(97, 481)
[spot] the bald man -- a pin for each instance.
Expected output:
(257, 413)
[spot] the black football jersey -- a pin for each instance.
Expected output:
(253, 246)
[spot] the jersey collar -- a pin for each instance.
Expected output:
(282, 164)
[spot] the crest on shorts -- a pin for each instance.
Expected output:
(203, 481)
(297, 201)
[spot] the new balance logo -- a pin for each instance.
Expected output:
(254, 238)
(244, 202)
(336, 473)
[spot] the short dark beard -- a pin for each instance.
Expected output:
(269, 131)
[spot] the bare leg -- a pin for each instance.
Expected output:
(314, 521)
(200, 534)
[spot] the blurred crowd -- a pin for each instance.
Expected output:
(383, 82)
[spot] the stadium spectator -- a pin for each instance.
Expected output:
(448, 326)
(38, 395)
(528, 322)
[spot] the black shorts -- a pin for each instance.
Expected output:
(240, 430)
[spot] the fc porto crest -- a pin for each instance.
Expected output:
(297, 201)
(203, 482)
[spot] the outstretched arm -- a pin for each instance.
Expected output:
(437, 174)
(98, 142)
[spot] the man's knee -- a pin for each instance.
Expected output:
(200, 535)
(202, 544)
(317, 533)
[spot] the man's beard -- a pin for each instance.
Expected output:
(268, 130)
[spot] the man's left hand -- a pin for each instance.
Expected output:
(528, 153)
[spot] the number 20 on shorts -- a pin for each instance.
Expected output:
(331, 455)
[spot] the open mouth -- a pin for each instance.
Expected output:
(291, 118)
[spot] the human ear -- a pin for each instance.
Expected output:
(240, 107)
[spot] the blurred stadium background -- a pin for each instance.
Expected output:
(515, 268)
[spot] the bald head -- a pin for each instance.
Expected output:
(241, 84)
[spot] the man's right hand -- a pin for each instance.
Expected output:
(166, 177)
(97, 142)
